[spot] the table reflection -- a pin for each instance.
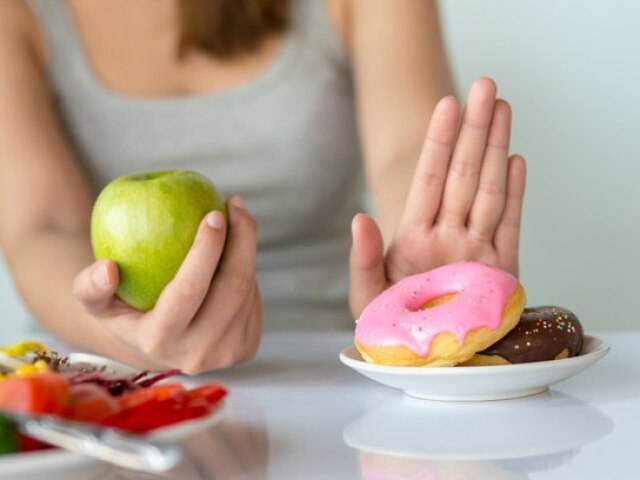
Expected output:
(236, 447)
(505, 440)
(385, 467)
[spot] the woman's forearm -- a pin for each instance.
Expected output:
(401, 73)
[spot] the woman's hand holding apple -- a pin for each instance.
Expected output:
(197, 324)
(465, 201)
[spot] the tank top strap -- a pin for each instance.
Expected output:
(58, 28)
(311, 19)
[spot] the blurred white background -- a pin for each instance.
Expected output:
(571, 71)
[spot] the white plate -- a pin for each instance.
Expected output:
(98, 361)
(56, 464)
(478, 383)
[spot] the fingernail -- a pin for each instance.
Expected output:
(238, 202)
(484, 87)
(355, 220)
(215, 220)
(100, 277)
(444, 101)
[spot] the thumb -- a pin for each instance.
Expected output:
(96, 285)
(366, 263)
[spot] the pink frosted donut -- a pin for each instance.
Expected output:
(441, 317)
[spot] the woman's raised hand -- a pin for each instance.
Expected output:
(464, 203)
(197, 324)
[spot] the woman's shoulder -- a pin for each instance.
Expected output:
(19, 26)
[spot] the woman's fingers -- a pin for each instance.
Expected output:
(238, 341)
(219, 342)
(507, 236)
(235, 277)
(253, 328)
(423, 200)
(489, 201)
(216, 337)
(96, 285)
(367, 263)
(465, 166)
(182, 297)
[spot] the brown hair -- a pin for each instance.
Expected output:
(226, 28)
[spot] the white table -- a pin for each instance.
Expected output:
(296, 412)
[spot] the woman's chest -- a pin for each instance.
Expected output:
(133, 48)
(287, 142)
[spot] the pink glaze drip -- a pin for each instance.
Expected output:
(394, 317)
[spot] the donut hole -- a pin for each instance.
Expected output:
(434, 302)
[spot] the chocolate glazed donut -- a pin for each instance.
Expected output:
(543, 333)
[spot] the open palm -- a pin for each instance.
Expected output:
(464, 203)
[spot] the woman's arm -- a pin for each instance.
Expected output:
(45, 204)
(400, 74)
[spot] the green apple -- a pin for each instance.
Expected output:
(146, 224)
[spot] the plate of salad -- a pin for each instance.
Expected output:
(96, 390)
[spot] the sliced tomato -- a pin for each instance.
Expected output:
(90, 403)
(163, 405)
(38, 393)
(211, 393)
(144, 395)
(155, 414)
(28, 444)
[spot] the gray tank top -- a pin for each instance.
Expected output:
(286, 141)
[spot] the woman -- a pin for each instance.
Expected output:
(272, 100)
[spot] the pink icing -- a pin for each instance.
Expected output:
(394, 317)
